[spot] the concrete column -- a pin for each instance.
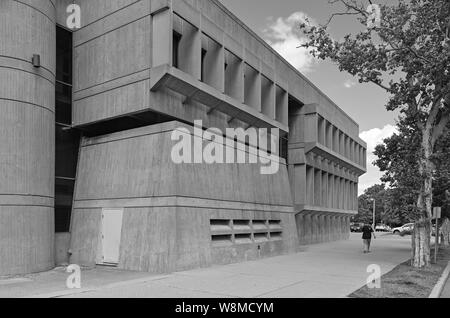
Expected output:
(213, 65)
(190, 59)
(339, 227)
(330, 190)
(307, 229)
(325, 198)
(311, 131)
(335, 139)
(350, 200)
(345, 190)
(252, 88)
(315, 228)
(309, 186)
(364, 158)
(347, 146)
(268, 98)
(326, 219)
(322, 230)
(234, 77)
(299, 218)
(333, 228)
(27, 137)
(317, 187)
(329, 131)
(282, 106)
(350, 196)
(341, 143)
(162, 27)
(336, 192)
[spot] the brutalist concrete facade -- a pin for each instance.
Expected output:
(141, 70)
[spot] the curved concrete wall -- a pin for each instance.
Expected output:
(27, 137)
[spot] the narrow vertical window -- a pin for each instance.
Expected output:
(204, 52)
(176, 49)
(67, 139)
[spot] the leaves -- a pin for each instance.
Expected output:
(398, 158)
(405, 55)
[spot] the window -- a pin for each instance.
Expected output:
(284, 148)
(204, 52)
(176, 49)
(67, 139)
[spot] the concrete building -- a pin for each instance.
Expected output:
(85, 140)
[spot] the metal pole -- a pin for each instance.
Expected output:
(436, 239)
(374, 214)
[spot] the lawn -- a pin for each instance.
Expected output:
(405, 281)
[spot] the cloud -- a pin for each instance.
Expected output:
(284, 35)
(373, 137)
(349, 83)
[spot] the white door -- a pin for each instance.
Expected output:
(111, 234)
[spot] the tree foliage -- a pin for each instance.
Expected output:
(398, 158)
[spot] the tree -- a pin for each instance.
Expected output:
(390, 208)
(365, 206)
(398, 158)
(407, 54)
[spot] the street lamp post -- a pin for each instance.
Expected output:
(374, 220)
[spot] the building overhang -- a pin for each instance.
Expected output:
(326, 153)
(308, 209)
(166, 76)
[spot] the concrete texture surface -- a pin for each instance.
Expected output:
(326, 270)
(446, 290)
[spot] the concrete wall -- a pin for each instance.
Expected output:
(122, 40)
(119, 45)
(325, 162)
(172, 211)
(27, 137)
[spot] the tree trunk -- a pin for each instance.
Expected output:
(445, 230)
(421, 244)
(422, 230)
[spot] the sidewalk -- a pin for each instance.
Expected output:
(446, 291)
(325, 270)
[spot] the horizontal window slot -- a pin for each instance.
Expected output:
(276, 236)
(222, 239)
(241, 225)
(260, 237)
(275, 225)
(259, 225)
(243, 238)
(220, 225)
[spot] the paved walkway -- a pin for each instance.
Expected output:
(325, 270)
(446, 291)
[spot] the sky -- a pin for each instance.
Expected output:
(277, 23)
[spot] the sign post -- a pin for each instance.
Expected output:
(437, 212)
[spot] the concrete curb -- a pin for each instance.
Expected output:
(437, 290)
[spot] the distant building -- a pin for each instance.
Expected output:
(85, 140)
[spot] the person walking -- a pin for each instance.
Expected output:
(367, 237)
